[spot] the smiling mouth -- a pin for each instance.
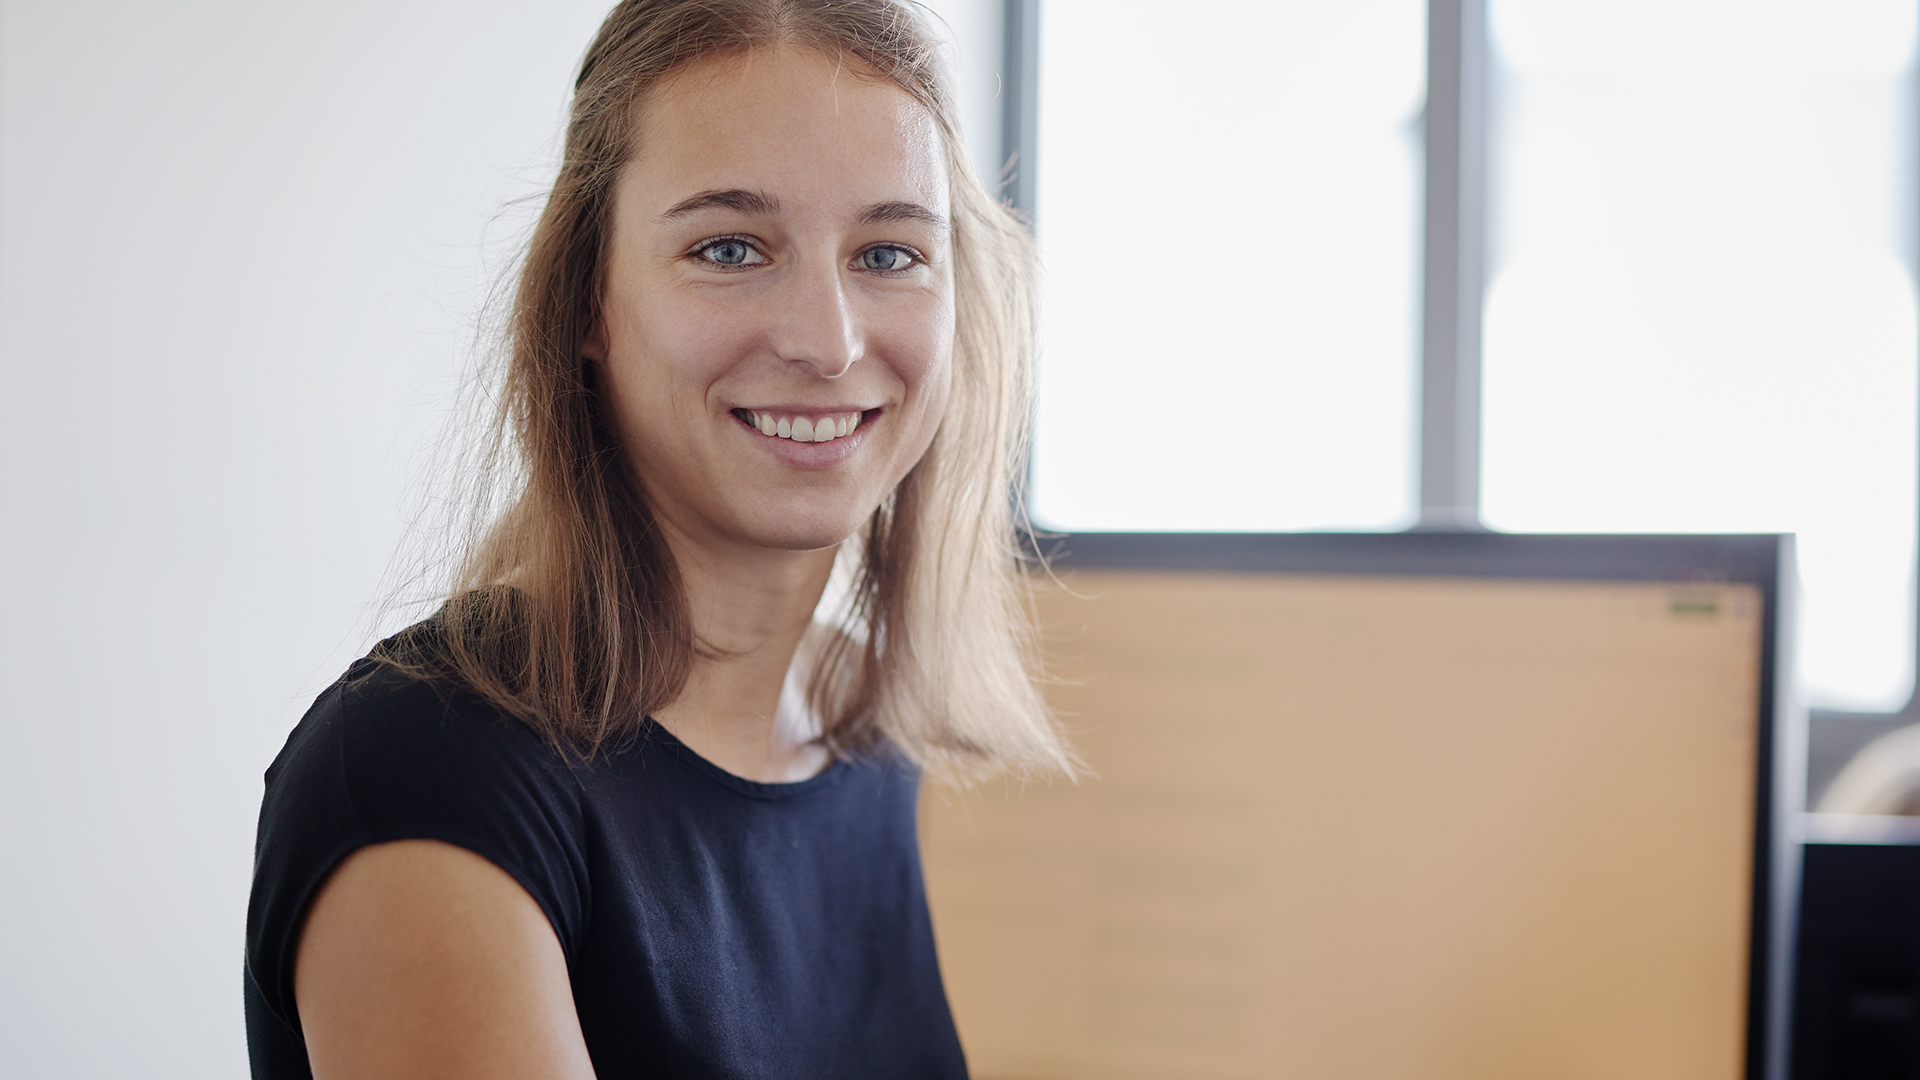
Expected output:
(801, 428)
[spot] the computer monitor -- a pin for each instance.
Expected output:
(1404, 806)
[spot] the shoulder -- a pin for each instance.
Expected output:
(385, 740)
(385, 754)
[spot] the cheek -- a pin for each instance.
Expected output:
(932, 393)
(926, 365)
(928, 354)
(663, 347)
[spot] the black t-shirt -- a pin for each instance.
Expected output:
(713, 926)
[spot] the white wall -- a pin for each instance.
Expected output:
(241, 247)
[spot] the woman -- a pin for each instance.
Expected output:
(623, 807)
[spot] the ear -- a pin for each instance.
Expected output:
(594, 347)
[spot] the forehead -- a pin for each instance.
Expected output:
(788, 120)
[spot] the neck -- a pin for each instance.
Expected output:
(750, 610)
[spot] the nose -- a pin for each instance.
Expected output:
(817, 326)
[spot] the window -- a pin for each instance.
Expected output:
(1701, 314)
(1231, 244)
(1698, 312)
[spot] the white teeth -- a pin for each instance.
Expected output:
(805, 428)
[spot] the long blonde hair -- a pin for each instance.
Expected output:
(568, 611)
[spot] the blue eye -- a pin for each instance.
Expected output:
(728, 252)
(885, 259)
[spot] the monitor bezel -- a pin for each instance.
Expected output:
(1764, 561)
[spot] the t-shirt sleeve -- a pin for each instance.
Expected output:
(381, 757)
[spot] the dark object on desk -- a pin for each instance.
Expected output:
(1857, 986)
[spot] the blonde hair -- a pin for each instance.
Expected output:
(568, 610)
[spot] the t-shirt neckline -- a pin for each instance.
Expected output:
(657, 733)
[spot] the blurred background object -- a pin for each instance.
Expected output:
(1883, 778)
(1419, 805)
(1656, 261)
(1858, 1011)
(1857, 999)
(1858, 1015)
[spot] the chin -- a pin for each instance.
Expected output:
(802, 532)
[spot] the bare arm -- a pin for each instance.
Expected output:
(422, 960)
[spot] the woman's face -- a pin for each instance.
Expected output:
(780, 268)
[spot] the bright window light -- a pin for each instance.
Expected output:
(1228, 211)
(1701, 315)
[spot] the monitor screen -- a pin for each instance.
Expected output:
(1368, 826)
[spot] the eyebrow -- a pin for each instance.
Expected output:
(756, 203)
(760, 204)
(889, 212)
